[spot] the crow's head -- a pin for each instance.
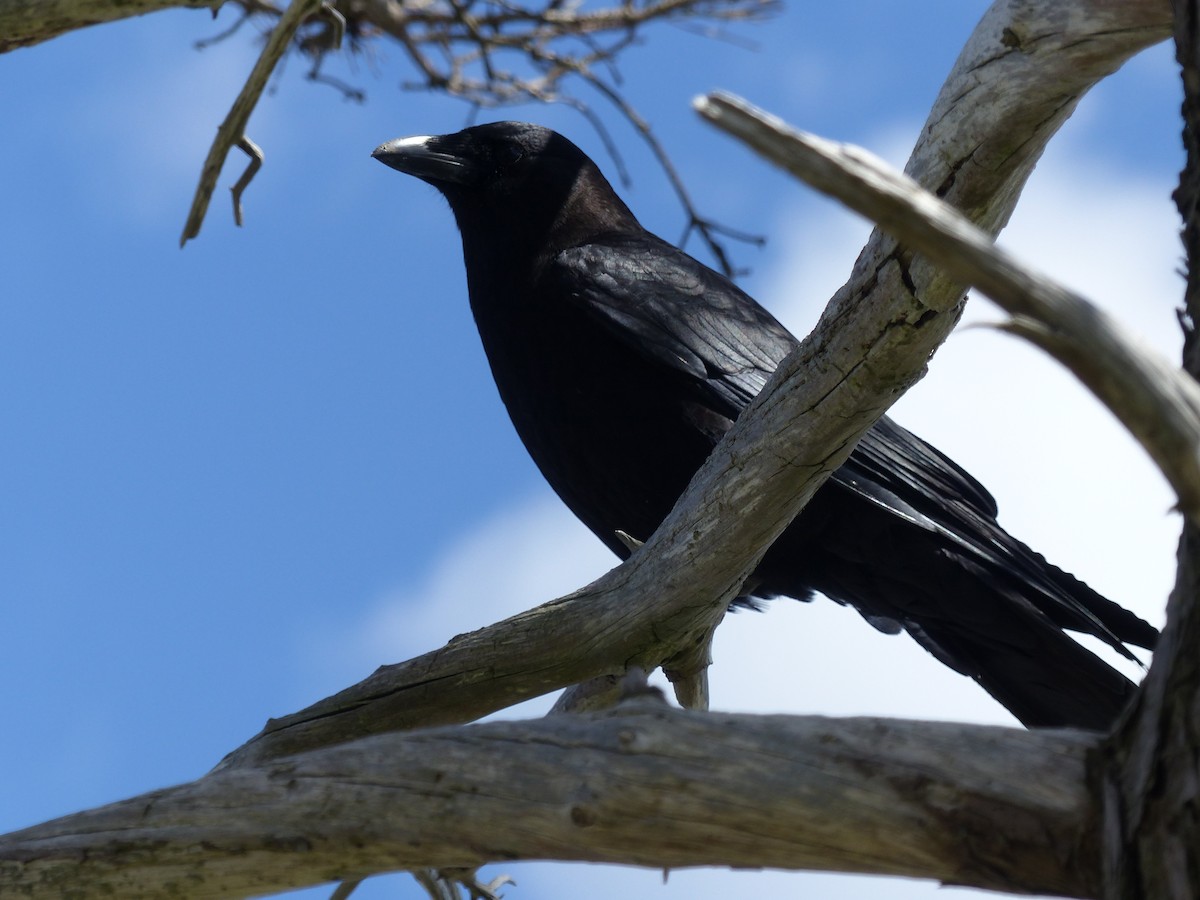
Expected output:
(507, 176)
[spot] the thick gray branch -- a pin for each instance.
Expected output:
(990, 807)
(27, 22)
(997, 109)
(1151, 779)
(1158, 402)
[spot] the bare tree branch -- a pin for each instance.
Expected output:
(1149, 775)
(232, 130)
(696, 223)
(966, 804)
(24, 23)
(670, 594)
(1158, 403)
(487, 52)
(559, 43)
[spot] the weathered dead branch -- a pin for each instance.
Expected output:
(1159, 403)
(1149, 776)
(967, 804)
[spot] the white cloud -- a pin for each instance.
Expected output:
(526, 555)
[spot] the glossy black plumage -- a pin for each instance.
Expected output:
(622, 361)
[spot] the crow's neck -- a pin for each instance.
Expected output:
(508, 243)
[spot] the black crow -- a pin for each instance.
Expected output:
(622, 361)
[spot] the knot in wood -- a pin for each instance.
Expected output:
(583, 816)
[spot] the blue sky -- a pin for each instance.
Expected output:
(239, 476)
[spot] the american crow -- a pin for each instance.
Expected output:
(622, 361)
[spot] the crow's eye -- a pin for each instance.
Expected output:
(507, 154)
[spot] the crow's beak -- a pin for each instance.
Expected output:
(425, 157)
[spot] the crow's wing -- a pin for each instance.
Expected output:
(689, 319)
(895, 469)
(686, 317)
(678, 313)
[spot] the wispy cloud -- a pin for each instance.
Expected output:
(528, 554)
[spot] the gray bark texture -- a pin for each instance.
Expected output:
(24, 23)
(642, 784)
(1151, 774)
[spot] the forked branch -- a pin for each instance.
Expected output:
(1158, 402)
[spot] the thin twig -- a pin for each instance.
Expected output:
(463, 15)
(205, 43)
(353, 94)
(716, 33)
(605, 136)
(460, 47)
(232, 129)
(695, 221)
(255, 153)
